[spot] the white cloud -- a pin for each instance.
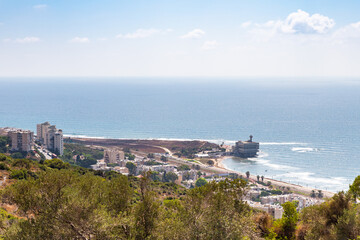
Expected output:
(196, 33)
(349, 32)
(6, 40)
(80, 40)
(208, 45)
(299, 22)
(140, 33)
(246, 24)
(303, 22)
(27, 40)
(40, 6)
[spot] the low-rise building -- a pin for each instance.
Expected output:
(157, 168)
(274, 210)
(122, 170)
(100, 165)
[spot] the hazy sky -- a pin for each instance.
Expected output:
(231, 38)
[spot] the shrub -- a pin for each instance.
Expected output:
(17, 155)
(2, 158)
(23, 163)
(3, 166)
(183, 167)
(19, 174)
(200, 182)
(57, 164)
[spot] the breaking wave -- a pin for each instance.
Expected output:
(304, 149)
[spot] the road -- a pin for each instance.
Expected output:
(45, 152)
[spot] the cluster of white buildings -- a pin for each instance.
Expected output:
(113, 156)
(281, 199)
(116, 156)
(272, 204)
(50, 137)
(23, 140)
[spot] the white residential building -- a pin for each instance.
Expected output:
(50, 137)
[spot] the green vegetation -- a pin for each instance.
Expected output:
(164, 159)
(200, 182)
(4, 142)
(129, 156)
(152, 163)
(170, 177)
(183, 167)
(58, 201)
(190, 152)
(19, 155)
(85, 156)
(132, 168)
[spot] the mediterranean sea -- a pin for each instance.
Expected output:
(309, 130)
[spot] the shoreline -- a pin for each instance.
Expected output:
(294, 187)
(159, 145)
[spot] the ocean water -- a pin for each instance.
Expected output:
(309, 130)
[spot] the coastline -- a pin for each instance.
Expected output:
(162, 146)
(294, 187)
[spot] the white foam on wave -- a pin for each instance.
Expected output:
(282, 143)
(216, 141)
(164, 139)
(83, 136)
(260, 159)
(310, 178)
(304, 149)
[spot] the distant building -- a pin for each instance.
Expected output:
(50, 137)
(157, 168)
(113, 156)
(21, 140)
(41, 130)
(202, 155)
(246, 149)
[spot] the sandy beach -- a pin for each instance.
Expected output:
(161, 146)
(280, 184)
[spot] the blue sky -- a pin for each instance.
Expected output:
(179, 38)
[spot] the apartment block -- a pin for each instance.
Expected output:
(21, 140)
(50, 137)
(113, 156)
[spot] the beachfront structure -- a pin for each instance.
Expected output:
(113, 156)
(21, 140)
(246, 149)
(50, 137)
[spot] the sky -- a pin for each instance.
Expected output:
(183, 38)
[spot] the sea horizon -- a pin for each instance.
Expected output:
(308, 129)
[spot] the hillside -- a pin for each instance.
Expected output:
(54, 200)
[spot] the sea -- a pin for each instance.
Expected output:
(308, 129)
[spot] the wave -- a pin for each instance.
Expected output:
(304, 149)
(311, 179)
(216, 141)
(282, 143)
(264, 162)
(84, 136)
